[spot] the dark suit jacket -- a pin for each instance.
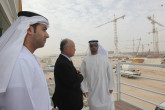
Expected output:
(68, 94)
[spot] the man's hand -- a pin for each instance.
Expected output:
(78, 71)
(85, 94)
(53, 109)
(110, 91)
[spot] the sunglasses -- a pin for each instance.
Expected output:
(93, 45)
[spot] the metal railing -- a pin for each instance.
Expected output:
(119, 83)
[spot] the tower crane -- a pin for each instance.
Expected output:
(133, 44)
(138, 46)
(115, 31)
(144, 45)
(155, 34)
(156, 31)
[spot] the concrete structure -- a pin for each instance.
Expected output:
(8, 13)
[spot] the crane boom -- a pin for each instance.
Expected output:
(156, 31)
(115, 31)
(155, 34)
(103, 24)
(118, 18)
(153, 21)
(114, 20)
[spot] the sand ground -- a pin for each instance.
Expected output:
(153, 72)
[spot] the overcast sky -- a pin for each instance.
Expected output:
(78, 19)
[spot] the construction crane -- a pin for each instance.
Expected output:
(156, 31)
(116, 51)
(144, 45)
(156, 43)
(133, 45)
(133, 42)
(155, 34)
(137, 53)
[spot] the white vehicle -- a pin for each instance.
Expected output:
(128, 71)
(162, 105)
(50, 67)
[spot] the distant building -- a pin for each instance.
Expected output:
(8, 13)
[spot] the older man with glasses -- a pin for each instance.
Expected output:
(98, 83)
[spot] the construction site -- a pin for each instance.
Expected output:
(137, 56)
(139, 69)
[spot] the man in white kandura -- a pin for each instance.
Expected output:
(22, 82)
(98, 83)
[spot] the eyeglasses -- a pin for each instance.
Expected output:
(93, 45)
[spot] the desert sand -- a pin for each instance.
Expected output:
(152, 72)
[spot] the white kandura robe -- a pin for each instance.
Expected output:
(98, 80)
(27, 88)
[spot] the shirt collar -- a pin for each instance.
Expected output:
(66, 56)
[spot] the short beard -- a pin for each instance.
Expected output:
(94, 52)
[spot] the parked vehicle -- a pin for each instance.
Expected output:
(50, 67)
(161, 104)
(128, 71)
(163, 59)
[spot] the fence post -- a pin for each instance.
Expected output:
(118, 81)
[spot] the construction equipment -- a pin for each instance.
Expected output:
(155, 34)
(137, 60)
(156, 31)
(115, 31)
(144, 45)
(133, 45)
(138, 47)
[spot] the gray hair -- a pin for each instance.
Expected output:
(63, 44)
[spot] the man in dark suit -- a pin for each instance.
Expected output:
(68, 94)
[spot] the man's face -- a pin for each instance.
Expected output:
(93, 48)
(39, 37)
(71, 48)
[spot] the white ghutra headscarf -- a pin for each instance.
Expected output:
(101, 50)
(11, 43)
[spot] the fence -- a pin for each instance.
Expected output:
(119, 72)
(131, 78)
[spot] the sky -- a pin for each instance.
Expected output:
(78, 19)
